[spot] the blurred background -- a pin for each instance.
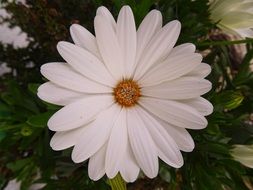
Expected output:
(29, 32)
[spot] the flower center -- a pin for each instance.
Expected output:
(127, 93)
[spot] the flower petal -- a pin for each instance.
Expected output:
(95, 135)
(147, 29)
(203, 106)
(245, 32)
(85, 63)
(65, 139)
(181, 88)
(83, 38)
(96, 166)
(117, 146)
(79, 113)
(171, 68)
(158, 47)
(175, 113)
(104, 12)
(201, 71)
(180, 135)
(109, 47)
(183, 49)
(143, 147)
(168, 150)
(64, 76)
(237, 19)
(55, 94)
(219, 8)
(126, 33)
(129, 169)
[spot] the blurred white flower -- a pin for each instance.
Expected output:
(243, 154)
(13, 36)
(128, 95)
(16, 185)
(233, 16)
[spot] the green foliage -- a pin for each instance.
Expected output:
(24, 136)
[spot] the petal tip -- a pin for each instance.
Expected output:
(126, 8)
(53, 145)
(177, 23)
(74, 26)
(75, 157)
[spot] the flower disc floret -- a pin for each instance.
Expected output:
(127, 93)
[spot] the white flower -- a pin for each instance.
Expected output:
(233, 16)
(243, 154)
(128, 96)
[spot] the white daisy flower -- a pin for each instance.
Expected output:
(233, 16)
(243, 154)
(128, 95)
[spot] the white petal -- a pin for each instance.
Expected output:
(96, 166)
(64, 76)
(143, 147)
(246, 6)
(245, 32)
(104, 12)
(171, 68)
(85, 63)
(168, 150)
(203, 106)
(55, 94)
(79, 113)
(158, 47)
(201, 71)
(238, 19)
(126, 33)
(129, 169)
(109, 47)
(245, 161)
(117, 145)
(65, 139)
(95, 135)
(83, 38)
(183, 49)
(219, 8)
(180, 135)
(181, 88)
(176, 113)
(147, 29)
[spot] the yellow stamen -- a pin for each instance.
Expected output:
(127, 93)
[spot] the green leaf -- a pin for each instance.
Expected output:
(141, 10)
(19, 164)
(229, 99)
(33, 87)
(224, 43)
(5, 111)
(244, 72)
(39, 120)
(2, 135)
(217, 148)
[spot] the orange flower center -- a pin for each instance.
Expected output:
(127, 93)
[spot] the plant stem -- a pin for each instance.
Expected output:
(117, 183)
(221, 43)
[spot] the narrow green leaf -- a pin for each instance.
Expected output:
(229, 99)
(33, 87)
(39, 120)
(2, 135)
(222, 43)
